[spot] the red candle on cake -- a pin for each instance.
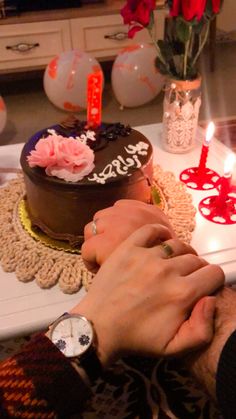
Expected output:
(94, 98)
(205, 148)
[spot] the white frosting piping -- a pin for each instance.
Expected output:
(120, 165)
(89, 135)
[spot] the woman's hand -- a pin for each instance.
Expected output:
(114, 225)
(150, 298)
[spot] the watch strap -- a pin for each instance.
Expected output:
(90, 364)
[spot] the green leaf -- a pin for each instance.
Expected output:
(166, 50)
(161, 66)
(191, 73)
(199, 26)
(168, 55)
(182, 30)
(178, 61)
(178, 47)
(151, 21)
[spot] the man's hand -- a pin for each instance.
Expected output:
(204, 363)
(144, 301)
(115, 224)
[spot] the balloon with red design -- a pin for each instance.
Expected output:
(65, 79)
(135, 78)
(3, 114)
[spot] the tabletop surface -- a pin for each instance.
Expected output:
(25, 308)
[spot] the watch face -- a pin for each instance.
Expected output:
(73, 335)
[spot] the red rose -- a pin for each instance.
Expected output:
(175, 9)
(216, 5)
(136, 14)
(188, 8)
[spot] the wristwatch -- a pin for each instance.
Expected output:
(74, 336)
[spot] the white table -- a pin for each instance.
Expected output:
(25, 308)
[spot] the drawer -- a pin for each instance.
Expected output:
(31, 45)
(104, 36)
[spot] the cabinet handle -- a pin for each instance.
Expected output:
(118, 36)
(22, 46)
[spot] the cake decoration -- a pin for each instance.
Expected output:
(120, 165)
(94, 98)
(65, 158)
(108, 131)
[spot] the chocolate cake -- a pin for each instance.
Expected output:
(122, 169)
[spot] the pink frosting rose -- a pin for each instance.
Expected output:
(65, 158)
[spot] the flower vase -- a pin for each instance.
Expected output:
(180, 114)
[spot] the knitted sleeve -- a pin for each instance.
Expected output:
(39, 382)
(226, 379)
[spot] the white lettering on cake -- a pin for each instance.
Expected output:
(136, 159)
(89, 135)
(120, 165)
(51, 131)
(105, 174)
(140, 148)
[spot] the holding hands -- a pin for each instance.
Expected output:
(113, 225)
(150, 298)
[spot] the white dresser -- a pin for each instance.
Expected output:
(29, 41)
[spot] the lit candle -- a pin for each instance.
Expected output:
(94, 98)
(225, 181)
(205, 148)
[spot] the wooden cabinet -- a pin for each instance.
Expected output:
(31, 40)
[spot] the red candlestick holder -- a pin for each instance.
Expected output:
(200, 179)
(221, 208)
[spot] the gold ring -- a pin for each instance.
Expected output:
(167, 249)
(94, 227)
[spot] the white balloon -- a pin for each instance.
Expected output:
(65, 79)
(3, 114)
(135, 78)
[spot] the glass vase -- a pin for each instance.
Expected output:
(180, 114)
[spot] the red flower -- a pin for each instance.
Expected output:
(136, 14)
(216, 5)
(189, 8)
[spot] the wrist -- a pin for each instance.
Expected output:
(104, 342)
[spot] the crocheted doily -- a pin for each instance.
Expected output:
(34, 259)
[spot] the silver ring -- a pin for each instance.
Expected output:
(94, 227)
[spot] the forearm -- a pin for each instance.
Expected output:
(212, 366)
(39, 380)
